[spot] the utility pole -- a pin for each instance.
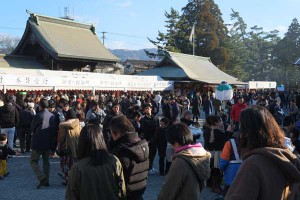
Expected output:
(103, 37)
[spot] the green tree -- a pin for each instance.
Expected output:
(285, 54)
(210, 31)
(238, 53)
(167, 41)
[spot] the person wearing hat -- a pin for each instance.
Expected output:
(67, 143)
(42, 144)
(149, 124)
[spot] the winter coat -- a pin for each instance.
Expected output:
(265, 173)
(148, 127)
(42, 127)
(5, 150)
(68, 136)
(236, 111)
(161, 140)
(26, 117)
(133, 154)
(9, 116)
(181, 182)
(87, 181)
(196, 104)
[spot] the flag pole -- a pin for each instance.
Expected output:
(193, 44)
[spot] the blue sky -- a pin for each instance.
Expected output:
(128, 23)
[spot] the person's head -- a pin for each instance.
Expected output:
(187, 115)
(196, 124)
(288, 122)
(164, 122)
(66, 106)
(95, 105)
(3, 139)
(137, 116)
(71, 114)
(44, 104)
(91, 144)
(258, 128)
(78, 105)
(293, 102)
(116, 108)
(179, 135)
(8, 99)
(214, 120)
(24, 105)
(147, 108)
(240, 100)
(119, 126)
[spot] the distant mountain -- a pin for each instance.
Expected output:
(124, 54)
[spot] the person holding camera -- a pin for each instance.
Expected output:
(95, 115)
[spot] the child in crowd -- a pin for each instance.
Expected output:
(5, 150)
(197, 132)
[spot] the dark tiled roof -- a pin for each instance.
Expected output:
(66, 39)
(142, 63)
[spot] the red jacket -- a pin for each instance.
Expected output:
(236, 110)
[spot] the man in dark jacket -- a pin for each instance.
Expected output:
(115, 111)
(26, 117)
(9, 119)
(133, 154)
(149, 124)
(42, 128)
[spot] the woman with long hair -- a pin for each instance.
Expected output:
(97, 174)
(269, 170)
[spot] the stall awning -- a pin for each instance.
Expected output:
(63, 80)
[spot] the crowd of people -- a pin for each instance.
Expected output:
(107, 144)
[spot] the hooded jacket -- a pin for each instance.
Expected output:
(133, 154)
(68, 136)
(265, 173)
(189, 165)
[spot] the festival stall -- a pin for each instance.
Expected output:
(261, 85)
(37, 80)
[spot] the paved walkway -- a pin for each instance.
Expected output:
(21, 183)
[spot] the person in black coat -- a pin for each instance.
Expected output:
(115, 111)
(133, 154)
(25, 119)
(161, 141)
(42, 128)
(149, 124)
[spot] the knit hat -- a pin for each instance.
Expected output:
(71, 114)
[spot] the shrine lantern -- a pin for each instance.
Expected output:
(224, 91)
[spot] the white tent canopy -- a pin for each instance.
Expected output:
(26, 79)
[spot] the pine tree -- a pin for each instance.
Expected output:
(210, 31)
(286, 52)
(167, 41)
(237, 50)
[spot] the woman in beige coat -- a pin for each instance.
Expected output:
(67, 143)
